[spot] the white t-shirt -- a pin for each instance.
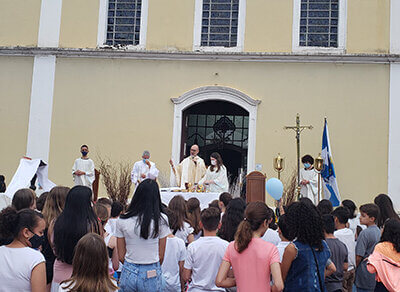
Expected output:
(271, 236)
(140, 250)
(62, 287)
(175, 251)
(281, 248)
(204, 256)
(346, 236)
(111, 225)
(354, 222)
(16, 265)
(184, 232)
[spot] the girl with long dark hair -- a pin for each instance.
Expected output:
(77, 219)
(305, 259)
(216, 178)
(22, 267)
(386, 210)
(231, 219)
(252, 259)
(141, 238)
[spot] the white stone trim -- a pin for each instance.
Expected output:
(198, 11)
(102, 23)
(394, 136)
(215, 93)
(342, 32)
(394, 27)
(49, 24)
(41, 108)
(102, 26)
(206, 57)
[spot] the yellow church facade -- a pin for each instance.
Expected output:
(123, 76)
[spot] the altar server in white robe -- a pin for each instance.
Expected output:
(144, 169)
(190, 170)
(216, 178)
(83, 169)
(309, 179)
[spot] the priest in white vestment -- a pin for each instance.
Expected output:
(216, 178)
(190, 170)
(144, 169)
(83, 169)
(309, 179)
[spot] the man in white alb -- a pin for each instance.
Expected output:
(191, 169)
(144, 169)
(309, 179)
(83, 169)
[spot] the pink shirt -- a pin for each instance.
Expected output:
(252, 267)
(62, 271)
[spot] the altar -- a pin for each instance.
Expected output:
(204, 198)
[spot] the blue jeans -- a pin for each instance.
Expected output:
(134, 278)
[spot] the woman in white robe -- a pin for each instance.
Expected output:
(216, 178)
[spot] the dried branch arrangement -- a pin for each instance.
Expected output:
(116, 178)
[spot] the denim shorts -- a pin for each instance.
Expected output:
(135, 278)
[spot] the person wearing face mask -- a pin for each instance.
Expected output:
(190, 170)
(216, 178)
(144, 169)
(22, 265)
(309, 179)
(83, 169)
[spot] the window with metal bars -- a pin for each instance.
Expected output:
(219, 26)
(319, 21)
(123, 23)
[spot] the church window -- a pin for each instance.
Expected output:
(219, 24)
(319, 25)
(124, 22)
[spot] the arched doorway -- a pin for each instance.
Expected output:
(217, 126)
(234, 103)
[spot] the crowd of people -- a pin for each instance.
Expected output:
(63, 241)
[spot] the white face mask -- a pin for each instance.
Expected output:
(213, 162)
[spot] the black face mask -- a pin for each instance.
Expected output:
(36, 240)
(84, 153)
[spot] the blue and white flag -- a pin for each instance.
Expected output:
(331, 189)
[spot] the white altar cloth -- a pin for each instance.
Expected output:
(204, 198)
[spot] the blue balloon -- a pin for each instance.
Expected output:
(275, 188)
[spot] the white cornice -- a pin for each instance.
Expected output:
(203, 56)
(218, 91)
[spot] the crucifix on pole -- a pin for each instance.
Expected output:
(298, 129)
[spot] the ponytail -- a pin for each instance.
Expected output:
(13, 221)
(255, 215)
(243, 235)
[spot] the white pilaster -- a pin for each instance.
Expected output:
(395, 27)
(49, 24)
(41, 107)
(394, 108)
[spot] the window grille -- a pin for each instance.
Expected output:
(220, 23)
(123, 26)
(319, 20)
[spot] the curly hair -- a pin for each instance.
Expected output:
(391, 233)
(306, 224)
(231, 219)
